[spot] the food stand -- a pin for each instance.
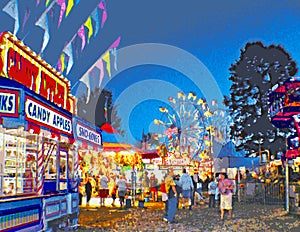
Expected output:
(38, 160)
(89, 140)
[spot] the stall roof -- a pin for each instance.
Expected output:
(116, 146)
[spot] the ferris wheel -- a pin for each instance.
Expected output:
(183, 126)
(220, 122)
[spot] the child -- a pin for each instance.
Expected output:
(212, 187)
(114, 194)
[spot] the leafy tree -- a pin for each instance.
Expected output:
(258, 69)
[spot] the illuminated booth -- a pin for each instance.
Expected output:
(89, 140)
(38, 160)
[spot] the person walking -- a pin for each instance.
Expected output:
(122, 188)
(164, 196)
(197, 182)
(178, 188)
(114, 194)
(212, 188)
(88, 190)
(81, 190)
(187, 189)
(225, 187)
(172, 197)
(153, 187)
(103, 188)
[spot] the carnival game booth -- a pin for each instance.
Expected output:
(122, 159)
(38, 160)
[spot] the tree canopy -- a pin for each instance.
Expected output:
(258, 69)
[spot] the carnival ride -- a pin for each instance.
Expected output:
(284, 111)
(183, 126)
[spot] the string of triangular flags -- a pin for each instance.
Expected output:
(92, 25)
(12, 9)
(107, 56)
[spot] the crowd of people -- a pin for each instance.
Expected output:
(177, 191)
(186, 187)
(103, 187)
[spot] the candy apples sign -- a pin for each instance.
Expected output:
(39, 113)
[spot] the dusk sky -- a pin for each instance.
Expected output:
(166, 47)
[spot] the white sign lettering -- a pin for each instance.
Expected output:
(88, 134)
(7, 103)
(42, 114)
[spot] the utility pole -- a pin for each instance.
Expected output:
(287, 194)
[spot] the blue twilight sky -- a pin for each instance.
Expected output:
(166, 46)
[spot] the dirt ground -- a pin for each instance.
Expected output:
(100, 217)
(246, 217)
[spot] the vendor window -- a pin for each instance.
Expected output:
(17, 163)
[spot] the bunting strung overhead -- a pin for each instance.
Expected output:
(99, 64)
(92, 26)
(42, 22)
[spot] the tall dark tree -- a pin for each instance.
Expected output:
(99, 109)
(258, 69)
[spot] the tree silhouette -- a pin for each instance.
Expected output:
(98, 109)
(253, 75)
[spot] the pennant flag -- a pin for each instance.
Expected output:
(106, 58)
(115, 44)
(95, 17)
(69, 7)
(12, 10)
(104, 15)
(99, 65)
(81, 34)
(88, 24)
(69, 52)
(43, 23)
(62, 58)
(62, 4)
